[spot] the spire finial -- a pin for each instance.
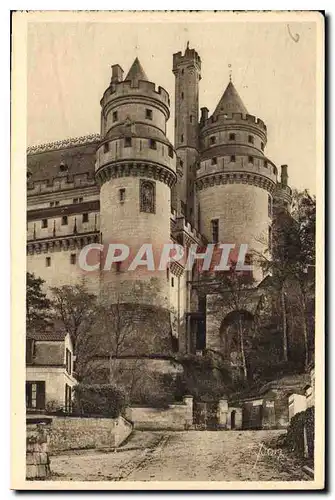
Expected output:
(187, 45)
(230, 72)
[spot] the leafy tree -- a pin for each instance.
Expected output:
(292, 257)
(37, 304)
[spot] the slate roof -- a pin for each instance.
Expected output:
(136, 72)
(230, 102)
(78, 159)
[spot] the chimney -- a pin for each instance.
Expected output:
(284, 175)
(204, 115)
(117, 73)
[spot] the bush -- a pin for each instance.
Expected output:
(294, 440)
(99, 399)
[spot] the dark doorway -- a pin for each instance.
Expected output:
(232, 419)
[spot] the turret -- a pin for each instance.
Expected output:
(235, 180)
(186, 69)
(282, 197)
(135, 168)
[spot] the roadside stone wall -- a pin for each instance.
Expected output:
(177, 417)
(70, 433)
(37, 456)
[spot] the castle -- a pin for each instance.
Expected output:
(129, 184)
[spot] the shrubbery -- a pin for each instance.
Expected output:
(99, 399)
(294, 439)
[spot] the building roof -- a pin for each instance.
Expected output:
(230, 102)
(47, 335)
(136, 72)
(78, 158)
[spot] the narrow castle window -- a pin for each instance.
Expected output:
(147, 196)
(182, 95)
(181, 163)
(270, 238)
(122, 194)
(114, 116)
(262, 146)
(182, 138)
(75, 200)
(52, 203)
(170, 152)
(172, 281)
(44, 223)
(265, 164)
(47, 261)
(73, 259)
(214, 160)
(152, 144)
(64, 220)
(213, 139)
(85, 217)
(148, 114)
(269, 205)
(251, 139)
(191, 118)
(250, 159)
(168, 274)
(232, 137)
(232, 158)
(182, 71)
(215, 230)
(56, 203)
(127, 142)
(106, 147)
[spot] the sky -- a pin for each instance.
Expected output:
(69, 68)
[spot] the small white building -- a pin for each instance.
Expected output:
(49, 371)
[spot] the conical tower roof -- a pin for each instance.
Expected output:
(136, 72)
(230, 102)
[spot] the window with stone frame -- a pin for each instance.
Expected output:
(147, 196)
(127, 142)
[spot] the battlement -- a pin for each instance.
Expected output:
(64, 144)
(179, 223)
(142, 88)
(234, 117)
(190, 56)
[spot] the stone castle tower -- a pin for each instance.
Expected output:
(186, 69)
(235, 180)
(130, 185)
